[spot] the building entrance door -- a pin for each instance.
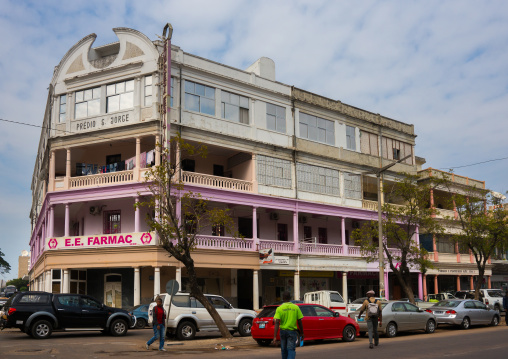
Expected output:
(113, 290)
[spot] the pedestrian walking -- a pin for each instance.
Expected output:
(288, 317)
(505, 305)
(373, 315)
(158, 321)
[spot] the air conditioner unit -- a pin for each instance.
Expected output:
(303, 219)
(355, 224)
(95, 210)
(274, 216)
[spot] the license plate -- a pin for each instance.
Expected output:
(438, 312)
(261, 325)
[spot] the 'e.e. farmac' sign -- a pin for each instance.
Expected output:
(101, 240)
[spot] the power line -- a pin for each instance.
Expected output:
(474, 164)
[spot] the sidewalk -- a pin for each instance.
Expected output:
(205, 343)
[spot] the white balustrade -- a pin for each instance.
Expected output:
(213, 242)
(101, 179)
(216, 181)
(319, 248)
(277, 246)
(354, 251)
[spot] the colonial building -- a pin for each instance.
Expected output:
(292, 167)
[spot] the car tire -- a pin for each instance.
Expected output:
(245, 327)
(140, 323)
(391, 330)
(118, 328)
(430, 327)
(466, 323)
(41, 329)
(264, 342)
(186, 331)
(349, 334)
(495, 321)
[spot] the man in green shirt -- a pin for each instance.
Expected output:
(286, 318)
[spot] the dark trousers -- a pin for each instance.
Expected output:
(372, 325)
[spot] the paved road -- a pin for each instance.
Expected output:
(478, 342)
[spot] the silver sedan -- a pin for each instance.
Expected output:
(464, 312)
(400, 316)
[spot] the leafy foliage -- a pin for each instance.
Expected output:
(5, 267)
(19, 283)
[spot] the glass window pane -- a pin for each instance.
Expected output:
(120, 87)
(224, 96)
(189, 86)
(88, 95)
(244, 115)
(321, 123)
(94, 107)
(281, 112)
(244, 102)
(113, 103)
(329, 125)
(270, 122)
(200, 90)
(303, 130)
(82, 275)
(210, 92)
(62, 117)
(321, 135)
(313, 134)
(126, 100)
(96, 93)
(191, 102)
(271, 109)
(208, 106)
(129, 86)
(79, 96)
(312, 120)
(330, 138)
(235, 100)
(223, 109)
(281, 125)
(63, 99)
(148, 91)
(81, 110)
(110, 90)
(62, 108)
(303, 118)
(74, 274)
(148, 80)
(232, 113)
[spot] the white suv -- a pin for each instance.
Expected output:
(493, 298)
(188, 316)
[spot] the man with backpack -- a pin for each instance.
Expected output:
(373, 315)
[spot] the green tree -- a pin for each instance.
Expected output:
(178, 231)
(400, 224)
(19, 283)
(5, 267)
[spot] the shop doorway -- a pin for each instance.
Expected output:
(113, 290)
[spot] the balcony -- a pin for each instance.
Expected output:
(372, 205)
(101, 179)
(445, 213)
(227, 243)
(206, 180)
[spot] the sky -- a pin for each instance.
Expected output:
(440, 65)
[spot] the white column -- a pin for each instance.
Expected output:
(138, 159)
(67, 220)
(296, 246)
(178, 277)
(255, 290)
(137, 287)
(157, 151)
(65, 281)
(48, 283)
(51, 221)
(297, 285)
(156, 281)
(344, 287)
(51, 180)
(255, 228)
(136, 217)
(345, 249)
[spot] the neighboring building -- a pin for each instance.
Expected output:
(23, 264)
(291, 165)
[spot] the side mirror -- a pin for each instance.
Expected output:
(335, 314)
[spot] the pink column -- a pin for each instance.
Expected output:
(296, 247)
(434, 248)
(489, 283)
(67, 220)
(136, 215)
(345, 249)
(424, 287)
(51, 221)
(255, 228)
(436, 287)
(420, 286)
(387, 292)
(458, 283)
(471, 282)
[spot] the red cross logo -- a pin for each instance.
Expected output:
(52, 243)
(146, 238)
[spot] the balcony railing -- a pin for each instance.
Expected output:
(212, 242)
(277, 246)
(445, 213)
(101, 179)
(216, 181)
(319, 248)
(372, 205)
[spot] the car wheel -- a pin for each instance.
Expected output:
(348, 334)
(466, 323)
(391, 330)
(495, 321)
(264, 342)
(118, 328)
(41, 329)
(431, 327)
(186, 331)
(245, 327)
(140, 323)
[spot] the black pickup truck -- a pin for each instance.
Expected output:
(39, 313)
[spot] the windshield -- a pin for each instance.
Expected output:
(447, 303)
(359, 300)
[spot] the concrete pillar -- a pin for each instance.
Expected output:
(344, 287)
(436, 287)
(178, 277)
(489, 283)
(136, 217)
(157, 151)
(471, 283)
(64, 287)
(420, 285)
(424, 287)
(255, 290)
(136, 173)
(51, 221)
(296, 246)
(434, 248)
(387, 287)
(234, 284)
(156, 281)
(458, 283)
(68, 169)
(345, 249)
(137, 287)
(178, 161)
(297, 285)
(48, 283)
(67, 220)
(254, 174)
(51, 181)
(458, 252)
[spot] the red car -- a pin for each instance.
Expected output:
(318, 323)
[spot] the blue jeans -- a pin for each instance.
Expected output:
(288, 340)
(157, 333)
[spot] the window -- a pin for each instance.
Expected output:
(323, 235)
(352, 186)
(398, 307)
(35, 298)
(411, 308)
(188, 165)
(219, 303)
(120, 96)
(336, 297)
(274, 171)
(112, 222)
(307, 232)
(181, 301)
(235, 107)
(69, 300)
(275, 118)
(171, 94)
(317, 179)
(317, 129)
(90, 303)
(56, 279)
(396, 154)
(196, 303)
(148, 90)
(323, 312)
(350, 138)
(78, 281)
(445, 245)
(282, 232)
(395, 150)
(218, 230)
(63, 109)
(307, 311)
(218, 170)
(199, 98)
(88, 103)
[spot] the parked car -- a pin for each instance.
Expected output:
(493, 298)
(328, 298)
(400, 316)
(141, 314)
(188, 316)
(319, 323)
(464, 312)
(39, 313)
(357, 304)
(464, 294)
